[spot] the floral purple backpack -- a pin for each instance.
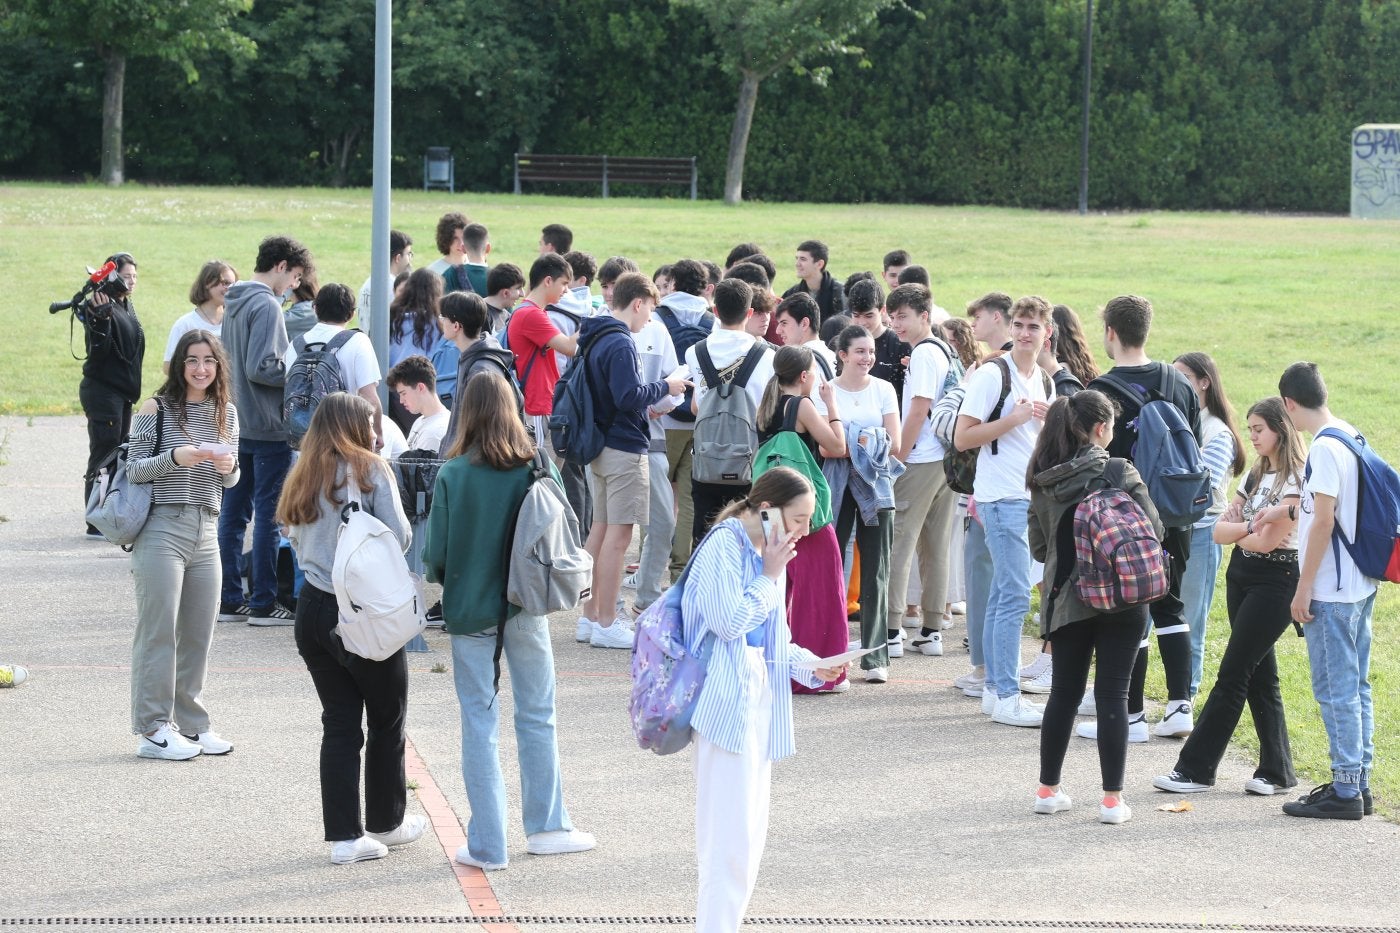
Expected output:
(666, 677)
(1120, 561)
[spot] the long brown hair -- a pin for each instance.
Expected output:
(489, 425)
(339, 433)
(1069, 426)
(959, 335)
(1071, 348)
(1203, 367)
(777, 487)
(1289, 457)
(418, 300)
(789, 363)
(174, 391)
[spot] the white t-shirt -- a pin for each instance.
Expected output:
(358, 365)
(1264, 496)
(427, 431)
(1335, 473)
(820, 349)
(1003, 475)
(928, 368)
(868, 407)
(395, 444)
(725, 347)
(192, 321)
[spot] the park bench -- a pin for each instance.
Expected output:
(605, 170)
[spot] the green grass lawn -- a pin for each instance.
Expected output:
(1256, 292)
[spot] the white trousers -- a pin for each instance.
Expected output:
(731, 810)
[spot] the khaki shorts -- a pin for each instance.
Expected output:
(621, 488)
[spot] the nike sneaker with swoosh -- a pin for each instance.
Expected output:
(165, 743)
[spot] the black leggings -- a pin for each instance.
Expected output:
(1173, 631)
(1114, 638)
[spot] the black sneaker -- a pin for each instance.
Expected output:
(233, 612)
(1368, 803)
(1324, 804)
(274, 616)
(434, 616)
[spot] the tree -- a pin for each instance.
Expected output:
(758, 38)
(114, 31)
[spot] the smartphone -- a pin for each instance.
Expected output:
(770, 519)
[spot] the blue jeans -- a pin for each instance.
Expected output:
(977, 575)
(1197, 593)
(1339, 653)
(1009, 598)
(262, 465)
(531, 662)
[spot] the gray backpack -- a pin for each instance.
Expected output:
(726, 429)
(118, 507)
(549, 569)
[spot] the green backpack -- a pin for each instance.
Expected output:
(787, 449)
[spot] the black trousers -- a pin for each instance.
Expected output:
(108, 422)
(710, 499)
(1257, 594)
(1173, 631)
(1114, 638)
(351, 687)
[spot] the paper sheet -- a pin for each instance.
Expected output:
(835, 660)
(219, 450)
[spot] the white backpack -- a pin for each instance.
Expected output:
(380, 599)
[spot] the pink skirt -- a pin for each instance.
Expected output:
(816, 598)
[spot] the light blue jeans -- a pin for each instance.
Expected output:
(1339, 653)
(1008, 599)
(977, 573)
(1197, 593)
(531, 662)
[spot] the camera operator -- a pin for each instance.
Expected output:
(116, 346)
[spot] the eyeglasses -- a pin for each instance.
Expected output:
(228, 284)
(200, 362)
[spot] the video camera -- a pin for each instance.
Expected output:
(104, 281)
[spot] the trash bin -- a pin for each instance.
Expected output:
(439, 169)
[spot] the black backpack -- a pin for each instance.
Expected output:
(314, 374)
(960, 466)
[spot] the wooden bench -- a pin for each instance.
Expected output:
(605, 170)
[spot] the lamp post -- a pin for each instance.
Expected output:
(1084, 132)
(380, 283)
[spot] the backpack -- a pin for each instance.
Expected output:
(1166, 452)
(574, 431)
(1117, 557)
(1376, 548)
(314, 374)
(117, 507)
(944, 413)
(726, 434)
(954, 376)
(666, 677)
(380, 599)
(960, 466)
(549, 569)
(415, 472)
(787, 449)
(685, 336)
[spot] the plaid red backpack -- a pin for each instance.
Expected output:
(1119, 558)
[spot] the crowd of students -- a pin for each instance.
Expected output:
(895, 405)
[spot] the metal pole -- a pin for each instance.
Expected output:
(380, 284)
(1084, 133)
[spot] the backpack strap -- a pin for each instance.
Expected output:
(821, 362)
(1126, 391)
(668, 316)
(339, 340)
(1004, 365)
(299, 342)
(751, 361)
(1353, 444)
(707, 364)
(790, 412)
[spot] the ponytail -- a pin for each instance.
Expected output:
(1069, 426)
(789, 363)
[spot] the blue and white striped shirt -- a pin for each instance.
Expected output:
(713, 603)
(1217, 453)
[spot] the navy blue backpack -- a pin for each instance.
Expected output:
(574, 430)
(685, 336)
(1376, 548)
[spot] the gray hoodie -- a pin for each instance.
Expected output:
(255, 338)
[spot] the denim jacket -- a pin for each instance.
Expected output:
(870, 472)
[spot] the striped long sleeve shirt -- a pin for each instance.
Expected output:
(173, 484)
(1217, 453)
(726, 593)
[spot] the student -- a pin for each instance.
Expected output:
(450, 243)
(463, 318)
(1222, 451)
(400, 261)
(924, 502)
(1071, 347)
(1333, 601)
(798, 324)
(505, 286)
(413, 329)
(556, 238)
(743, 717)
(1259, 586)
(816, 594)
(741, 253)
(215, 278)
(620, 473)
(815, 280)
(729, 346)
(867, 304)
(359, 367)
(1127, 320)
(661, 278)
(175, 560)
(255, 339)
(997, 553)
(477, 497)
(1070, 462)
(532, 335)
(991, 320)
(579, 298)
(762, 318)
(414, 381)
(872, 417)
(895, 262)
(339, 445)
(471, 274)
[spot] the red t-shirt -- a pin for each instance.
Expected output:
(529, 330)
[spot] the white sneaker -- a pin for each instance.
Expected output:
(617, 635)
(210, 743)
(990, 698)
(976, 690)
(877, 675)
(841, 687)
(1041, 683)
(167, 744)
(357, 850)
(1088, 706)
(465, 857)
(912, 619)
(629, 582)
(558, 842)
(1176, 723)
(1178, 783)
(1137, 729)
(895, 646)
(1115, 815)
(958, 609)
(1261, 788)
(12, 675)
(854, 645)
(584, 632)
(945, 622)
(1032, 670)
(1014, 711)
(972, 678)
(408, 831)
(930, 644)
(1057, 802)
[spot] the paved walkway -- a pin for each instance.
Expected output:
(928, 803)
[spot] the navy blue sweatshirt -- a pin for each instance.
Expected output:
(615, 372)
